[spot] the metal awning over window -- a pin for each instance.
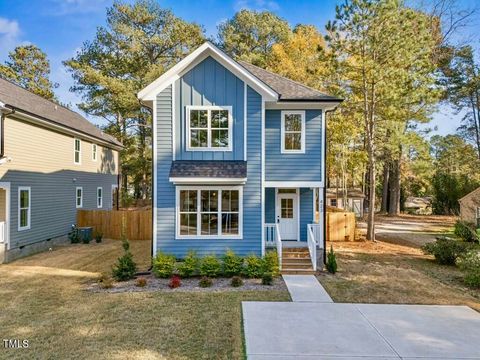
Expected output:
(208, 172)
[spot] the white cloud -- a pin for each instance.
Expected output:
(9, 35)
(260, 5)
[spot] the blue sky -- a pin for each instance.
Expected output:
(59, 27)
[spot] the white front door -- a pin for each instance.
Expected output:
(287, 215)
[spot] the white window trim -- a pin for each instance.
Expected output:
(76, 197)
(99, 197)
(209, 131)
(303, 132)
(29, 217)
(94, 152)
(201, 237)
(79, 152)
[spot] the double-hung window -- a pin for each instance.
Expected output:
(293, 132)
(77, 151)
(210, 212)
(209, 128)
(99, 197)
(79, 197)
(24, 208)
(94, 152)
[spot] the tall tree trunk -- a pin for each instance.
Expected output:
(394, 206)
(476, 119)
(371, 162)
(385, 187)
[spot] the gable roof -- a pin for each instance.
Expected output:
(287, 90)
(24, 101)
(474, 192)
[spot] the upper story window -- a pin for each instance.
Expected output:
(209, 128)
(24, 207)
(94, 152)
(77, 157)
(293, 132)
(78, 197)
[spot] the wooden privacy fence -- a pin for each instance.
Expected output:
(340, 226)
(137, 224)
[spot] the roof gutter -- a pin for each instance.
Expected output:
(5, 111)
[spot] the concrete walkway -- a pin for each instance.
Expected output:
(312, 327)
(306, 288)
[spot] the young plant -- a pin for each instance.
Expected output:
(98, 237)
(232, 264)
(470, 264)
(210, 266)
(141, 282)
(125, 268)
(236, 281)
(445, 250)
(253, 266)
(270, 263)
(189, 266)
(267, 278)
(466, 231)
(163, 265)
(331, 261)
(205, 282)
(105, 281)
(175, 282)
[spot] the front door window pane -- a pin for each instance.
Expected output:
(287, 208)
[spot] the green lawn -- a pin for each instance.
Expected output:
(44, 301)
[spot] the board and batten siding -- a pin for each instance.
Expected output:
(209, 83)
(166, 216)
(293, 167)
(43, 160)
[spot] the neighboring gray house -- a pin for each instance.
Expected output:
(52, 162)
(354, 200)
(470, 207)
(239, 157)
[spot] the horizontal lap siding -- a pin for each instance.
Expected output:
(270, 205)
(165, 236)
(306, 211)
(293, 167)
(209, 83)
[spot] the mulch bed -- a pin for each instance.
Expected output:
(188, 285)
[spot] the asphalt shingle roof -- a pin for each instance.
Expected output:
(210, 169)
(17, 97)
(288, 90)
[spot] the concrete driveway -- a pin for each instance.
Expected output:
(326, 330)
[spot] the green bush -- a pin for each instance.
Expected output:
(470, 264)
(253, 266)
(270, 263)
(466, 231)
(210, 266)
(205, 282)
(125, 268)
(236, 281)
(232, 264)
(189, 266)
(163, 265)
(331, 261)
(445, 250)
(267, 278)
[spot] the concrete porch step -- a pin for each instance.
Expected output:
(296, 260)
(298, 272)
(297, 266)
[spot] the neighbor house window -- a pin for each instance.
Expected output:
(333, 202)
(79, 197)
(24, 208)
(77, 151)
(94, 152)
(209, 212)
(209, 128)
(99, 197)
(293, 132)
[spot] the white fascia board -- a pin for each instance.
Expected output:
(206, 180)
(198, 55)
(293, 184)
(301, 105)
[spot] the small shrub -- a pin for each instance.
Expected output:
(267, 278)
(189, 266)
(466, 231)
(270, 263)
(205, 282)
(175, 282)
(236, 281)
(141, 282)
(331, 261)
(105, 281)
(253, 266)
(445, 250)
(98, 237)
(163, 265)
(232, 264)
(470, 264)
(125, 268)
(210, 266)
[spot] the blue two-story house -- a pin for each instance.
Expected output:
(238, 157)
